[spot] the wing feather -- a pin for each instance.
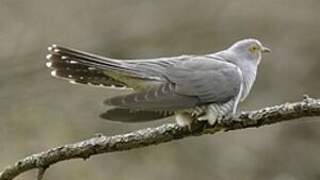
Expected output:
(192, 82)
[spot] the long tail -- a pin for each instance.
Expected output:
(84, 68)
(80, 67)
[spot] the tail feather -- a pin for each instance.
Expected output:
(85, 68)
(127, 115)
(80, 55)
(66, 67)
(93, 60)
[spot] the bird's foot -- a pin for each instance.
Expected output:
(211, 117)
(216, 115)
(184, 120)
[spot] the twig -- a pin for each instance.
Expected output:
(164, 133)
(41, 172)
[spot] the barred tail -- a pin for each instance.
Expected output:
(82, 68)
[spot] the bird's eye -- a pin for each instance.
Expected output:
(253, 49)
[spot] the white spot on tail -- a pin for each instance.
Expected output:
(54, 73)
(54, 45)
(69, 76)
(81, 78)
(49, 56)
(73, 62)
(91, 68)
(50, 48)
(56, 50)
(49, 64)
(64, 57)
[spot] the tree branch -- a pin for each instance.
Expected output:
(164, 133)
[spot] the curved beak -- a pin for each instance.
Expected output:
(265, 49)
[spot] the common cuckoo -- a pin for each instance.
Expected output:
(204, 87)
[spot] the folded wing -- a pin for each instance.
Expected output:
(193, 82)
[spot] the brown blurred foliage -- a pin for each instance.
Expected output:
(38, 112)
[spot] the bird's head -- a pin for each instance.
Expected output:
(249, 49)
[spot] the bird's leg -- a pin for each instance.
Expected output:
(198, 111)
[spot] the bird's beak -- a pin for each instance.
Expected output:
(265, 49)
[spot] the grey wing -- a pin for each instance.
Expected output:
(208, 79)
(192, 82)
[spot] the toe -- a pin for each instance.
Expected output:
(203, 118)
(212, 121)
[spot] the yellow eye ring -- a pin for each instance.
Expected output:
(253, 49)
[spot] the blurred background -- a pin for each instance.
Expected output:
(38, 112)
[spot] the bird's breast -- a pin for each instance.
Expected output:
(249, 76)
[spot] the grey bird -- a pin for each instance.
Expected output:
(208, 87)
